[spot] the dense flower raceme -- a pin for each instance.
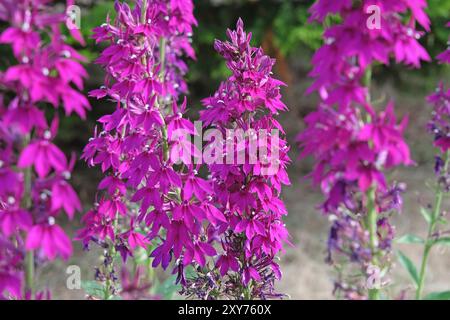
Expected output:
(249, 223)
(353, 144)
(146, 196)
(439, 128)
(47, 72)
(354, 44)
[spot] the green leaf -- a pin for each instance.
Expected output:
(93, 288)
(168, 288)
(444, 295)
(409, 266)
(410, 239)
(426, 214)
(444, 241)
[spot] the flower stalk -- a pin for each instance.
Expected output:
(372, 214)
(29, 255)
(372, 226)
(29, 272)
(142, 184)
(431, 239)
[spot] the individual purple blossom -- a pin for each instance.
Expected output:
(43, 155)
(51, 238)
(12, 220)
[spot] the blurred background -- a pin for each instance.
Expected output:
(280, 27)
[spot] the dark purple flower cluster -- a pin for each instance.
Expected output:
(47, 72)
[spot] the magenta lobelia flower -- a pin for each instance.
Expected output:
(34, 172)
(352, 143)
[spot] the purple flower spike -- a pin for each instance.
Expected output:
(352, 144)
(34, 172)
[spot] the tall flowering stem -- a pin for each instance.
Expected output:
(371, 219)
(34, 172)
(247, 216)
(353, 144)
(438, 126)
(151, 196)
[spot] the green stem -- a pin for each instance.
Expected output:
(431, 230)
(144, 12)
(372, 216)
(372, 220)
(29, 257)
(423, 267)
(367, 81)
(109, 270)
(162, 56)
(29, 272)
(368, 77)
(162, 74)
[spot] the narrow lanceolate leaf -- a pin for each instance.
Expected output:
(426, 214)
(410, 239)
(409, 266)
(444, 295)
(443, 241)
(93, 289)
